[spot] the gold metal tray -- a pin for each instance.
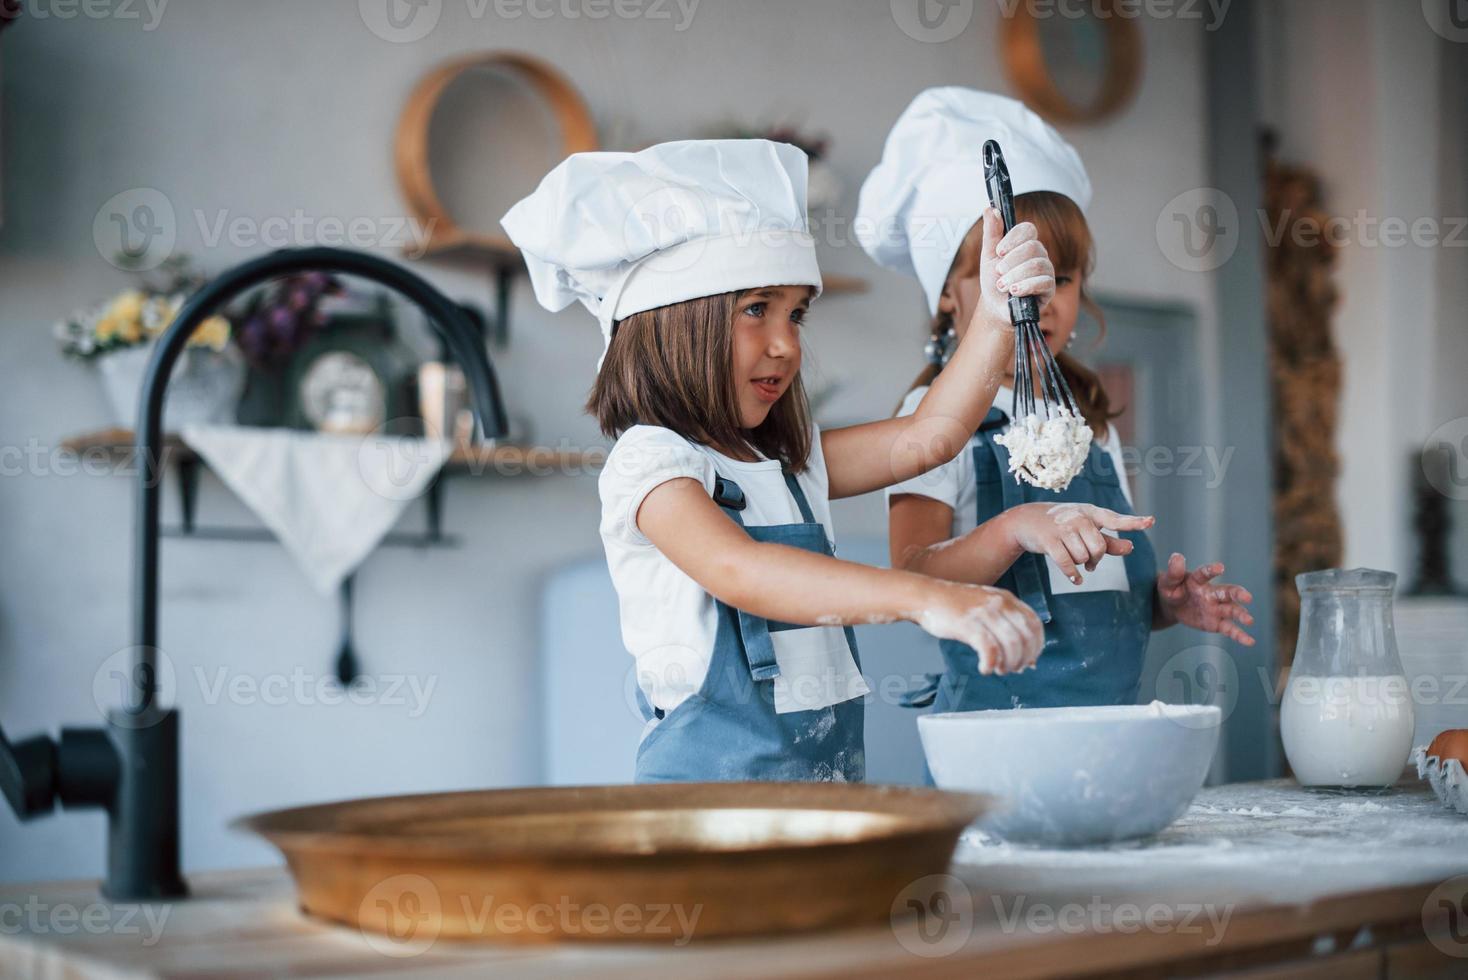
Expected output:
(648, 863)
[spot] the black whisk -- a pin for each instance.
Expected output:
(1032, 357)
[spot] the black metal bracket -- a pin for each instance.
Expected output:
(504, 277)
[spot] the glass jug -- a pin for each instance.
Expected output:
(1347, 715)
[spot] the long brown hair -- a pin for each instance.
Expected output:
(1063, 228)
(672, 367)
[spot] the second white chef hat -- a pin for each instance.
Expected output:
(920, 202)
(628, 232)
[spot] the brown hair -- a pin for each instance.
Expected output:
(672, 367)
(1063, 228)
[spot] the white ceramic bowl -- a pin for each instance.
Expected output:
(1071, 776)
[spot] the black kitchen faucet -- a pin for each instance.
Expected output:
(130, 767)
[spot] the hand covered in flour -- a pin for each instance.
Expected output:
(1070, 534)
(1006, 633)
(1193, 599)
(1012, 264)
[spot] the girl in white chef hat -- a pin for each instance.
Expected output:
(1080, 557)
(697, 261)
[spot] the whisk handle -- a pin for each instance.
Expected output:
(1022, 309)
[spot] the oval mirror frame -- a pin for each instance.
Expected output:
(1025, 64)
(411, 154)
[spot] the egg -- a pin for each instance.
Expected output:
(1451, 744)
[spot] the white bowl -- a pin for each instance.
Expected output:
(1069, 776)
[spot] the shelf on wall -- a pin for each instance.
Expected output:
(476, 460)
(492, 250)
(119, 446)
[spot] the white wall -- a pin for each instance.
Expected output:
(266, 108)
(1373, 99)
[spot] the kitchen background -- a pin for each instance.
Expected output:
(271, 110)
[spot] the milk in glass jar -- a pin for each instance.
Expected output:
(1347, 714)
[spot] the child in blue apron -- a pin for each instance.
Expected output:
(697, 260)
(1080, 558)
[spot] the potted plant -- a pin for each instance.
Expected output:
(119, 336)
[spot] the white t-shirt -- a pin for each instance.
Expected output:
(669, 622)
(955, 483)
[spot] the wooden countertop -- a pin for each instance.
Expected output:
(1263, 877)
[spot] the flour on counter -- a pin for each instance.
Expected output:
(1274, 841)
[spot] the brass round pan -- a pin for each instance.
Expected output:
(648, 863)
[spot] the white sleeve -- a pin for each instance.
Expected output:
(815, 474)
(645, 458)
(941, 483)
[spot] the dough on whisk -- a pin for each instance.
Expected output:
(1047, 452)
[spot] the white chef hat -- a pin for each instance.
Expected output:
(629, 232)
(923, 198)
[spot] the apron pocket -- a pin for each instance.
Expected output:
(816, 669)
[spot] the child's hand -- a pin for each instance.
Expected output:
(1006, 633)
(1070, 534)
(1013, 264)
(1191, 598)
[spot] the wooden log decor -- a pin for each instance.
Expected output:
(1305, 370)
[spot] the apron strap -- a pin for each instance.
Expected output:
(730, 498)
(1029, 570)
(754, 631)
(806, 513)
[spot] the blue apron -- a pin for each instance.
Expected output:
(728, 730)
(1095, 642)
